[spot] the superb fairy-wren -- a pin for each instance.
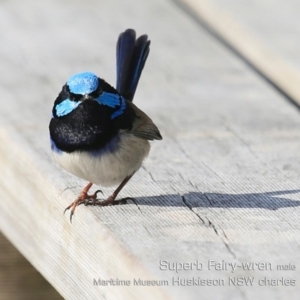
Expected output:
(96, 132)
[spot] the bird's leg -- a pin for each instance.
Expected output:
(112, 197)
(82, 198)
(87, 199)
(110, 200)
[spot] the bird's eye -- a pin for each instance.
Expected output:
(75, 97)
(70, 95)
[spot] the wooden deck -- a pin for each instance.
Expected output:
(217, 203)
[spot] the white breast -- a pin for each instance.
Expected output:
(107, 169)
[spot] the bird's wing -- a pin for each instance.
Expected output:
(143, 127)
(132, 54)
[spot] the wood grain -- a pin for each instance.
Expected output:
(222, 185)
(266, 43)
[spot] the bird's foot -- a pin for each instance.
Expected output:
(83, 198)
(109, 201)
(86, 199)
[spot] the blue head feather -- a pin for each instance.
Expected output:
(65, 107)
(112, 100)
(121, 110)
(109, 99)
(83, 83)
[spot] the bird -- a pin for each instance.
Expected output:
(96, 131)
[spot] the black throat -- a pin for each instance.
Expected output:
(89, 127)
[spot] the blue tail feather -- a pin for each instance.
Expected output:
(132, 54)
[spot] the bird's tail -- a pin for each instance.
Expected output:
(132, 54)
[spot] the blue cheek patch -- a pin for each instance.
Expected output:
(121, 110)
(109, 99)
(66, 107)
(112, 100)
(83, 83)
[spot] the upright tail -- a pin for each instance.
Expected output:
(132, 54)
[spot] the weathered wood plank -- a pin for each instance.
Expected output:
(273, 22)
(18, 279)
(258, 32)
(222, 186)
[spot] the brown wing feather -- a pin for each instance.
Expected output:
(143, 126)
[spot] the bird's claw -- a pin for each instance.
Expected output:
(109, 201)
(83, 198)
(92, 200)
(87, 200)
(98, 191)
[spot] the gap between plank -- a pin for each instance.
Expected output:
(272, 68)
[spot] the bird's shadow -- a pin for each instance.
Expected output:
(268, 200)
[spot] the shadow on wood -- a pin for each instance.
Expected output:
(267, 200)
